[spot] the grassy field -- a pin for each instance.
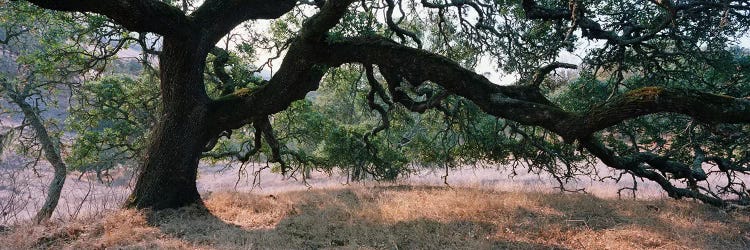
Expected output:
(401, 217)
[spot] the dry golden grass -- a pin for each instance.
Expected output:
(402, 217)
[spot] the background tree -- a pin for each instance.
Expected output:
(39, 67)
(649, 57)
(111, 119)
(45, 55)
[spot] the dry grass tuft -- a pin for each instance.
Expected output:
(402, 217)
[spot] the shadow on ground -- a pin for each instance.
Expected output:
(403, 217)
(321, 222)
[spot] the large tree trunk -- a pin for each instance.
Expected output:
(168, 172)
(52, 155)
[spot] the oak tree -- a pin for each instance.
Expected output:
(644, 58)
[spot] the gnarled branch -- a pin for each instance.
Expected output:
(607, 156)
(135, 15)
(298, 74)
(541, 73)
(525, 104)
(219, 17)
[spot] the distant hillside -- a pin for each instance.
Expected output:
(403, 217)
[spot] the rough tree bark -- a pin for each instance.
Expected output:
(167, 176)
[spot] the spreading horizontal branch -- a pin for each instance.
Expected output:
(705, 107)
(526, 104)
(634, 166)
(135, 15)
